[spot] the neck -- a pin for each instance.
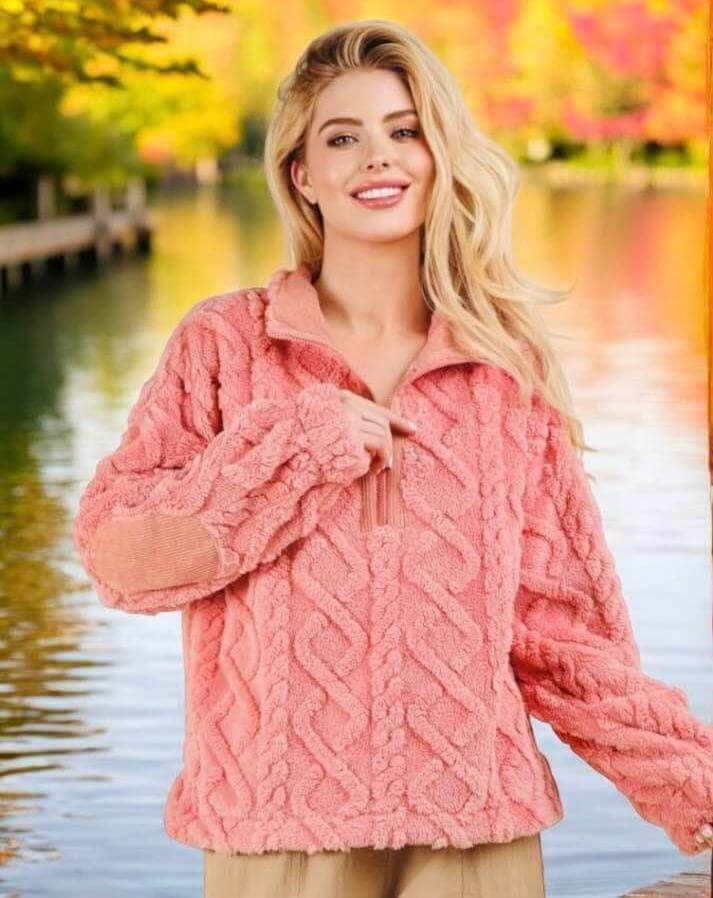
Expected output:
(372, 290)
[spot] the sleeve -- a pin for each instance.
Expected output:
(575, 658)
(182, 507)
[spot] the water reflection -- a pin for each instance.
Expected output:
(92, 700)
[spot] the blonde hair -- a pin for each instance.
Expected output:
(467, 270)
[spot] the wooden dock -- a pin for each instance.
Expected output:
(95, 236)
(681, 885)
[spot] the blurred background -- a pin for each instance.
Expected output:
(131, 187)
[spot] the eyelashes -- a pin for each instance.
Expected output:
(414, 132)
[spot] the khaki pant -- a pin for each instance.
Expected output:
(490, 870)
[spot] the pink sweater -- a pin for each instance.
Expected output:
(363, 651)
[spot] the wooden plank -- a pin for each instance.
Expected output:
(681, 885)
(28, 241)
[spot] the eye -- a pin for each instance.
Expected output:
(334, 142)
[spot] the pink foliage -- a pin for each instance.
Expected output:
(629, 39)
(589, 128)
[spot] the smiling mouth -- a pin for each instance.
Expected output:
(388, 197)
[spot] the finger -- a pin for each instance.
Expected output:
(386, 459)
(391, 421)
(374, 415)
(401, 422)
(380, 443)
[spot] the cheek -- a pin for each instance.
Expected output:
(418, 162)
(421, 164)
(330, 172)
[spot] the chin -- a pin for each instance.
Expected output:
(385, 236)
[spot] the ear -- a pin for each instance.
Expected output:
(300, 179)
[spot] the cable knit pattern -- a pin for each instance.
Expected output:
(576, 659)
(239, 497)
(363, 651)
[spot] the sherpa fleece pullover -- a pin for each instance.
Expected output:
(363, 651)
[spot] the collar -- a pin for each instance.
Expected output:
(293, 312)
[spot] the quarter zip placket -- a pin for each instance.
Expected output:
(380, 491)
(294, 313)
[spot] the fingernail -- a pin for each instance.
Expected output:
(412, 423)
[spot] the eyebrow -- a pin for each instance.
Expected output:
(357, 121)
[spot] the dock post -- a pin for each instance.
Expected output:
(46, 198)
(136, 204)
(101, 206)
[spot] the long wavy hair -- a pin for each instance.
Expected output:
(467, 271)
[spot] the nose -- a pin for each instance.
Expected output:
(377, 155)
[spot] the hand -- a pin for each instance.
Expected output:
(705, 835)
(372, 424)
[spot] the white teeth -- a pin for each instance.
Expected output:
(380, 191)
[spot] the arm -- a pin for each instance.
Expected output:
(182, 508)
(576, 660)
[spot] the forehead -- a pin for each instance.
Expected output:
(365, 95)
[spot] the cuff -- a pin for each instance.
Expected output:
(327, 435)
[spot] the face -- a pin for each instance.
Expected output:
(379, 142)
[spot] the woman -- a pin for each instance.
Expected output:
(359, 485)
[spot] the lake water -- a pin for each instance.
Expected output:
(91, 708)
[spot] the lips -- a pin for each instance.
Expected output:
(379, 186)
(387, 201)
